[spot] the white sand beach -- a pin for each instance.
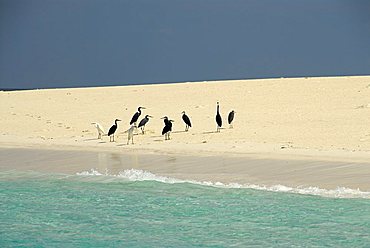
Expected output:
(323, 121)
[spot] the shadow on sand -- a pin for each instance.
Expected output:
(91, 139)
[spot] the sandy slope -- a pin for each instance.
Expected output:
(302, 118)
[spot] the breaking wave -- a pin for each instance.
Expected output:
(141, 175)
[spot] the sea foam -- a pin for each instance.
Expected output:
(141, 175)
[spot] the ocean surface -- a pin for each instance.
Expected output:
(139, 209)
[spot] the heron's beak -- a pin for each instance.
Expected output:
(150, 116)
(93, 123)
(163, 117)
(172, 121)
(143, 107)
(118, 120)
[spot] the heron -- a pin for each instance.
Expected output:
(130, 134)
(167, 128)
(218, 118)
(136, 116)
(99, 128)
(186, 119)
(230, 118)
(143, 122)
(112, 130)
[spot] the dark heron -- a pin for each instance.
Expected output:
(143, 122)
(186, 119)
(165, 120)
(230, 118)
(167, 128)
(136, 115)
(218, 118)
(112, 130)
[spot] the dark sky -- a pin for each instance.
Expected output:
(68, 43)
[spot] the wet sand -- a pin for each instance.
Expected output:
(264, 172)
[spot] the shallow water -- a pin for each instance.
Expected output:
(90, 209)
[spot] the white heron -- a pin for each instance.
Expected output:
(130, 134)
(99, 128)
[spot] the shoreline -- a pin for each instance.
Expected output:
(265, 172)
(247, 150)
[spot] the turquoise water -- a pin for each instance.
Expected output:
(45, 210)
